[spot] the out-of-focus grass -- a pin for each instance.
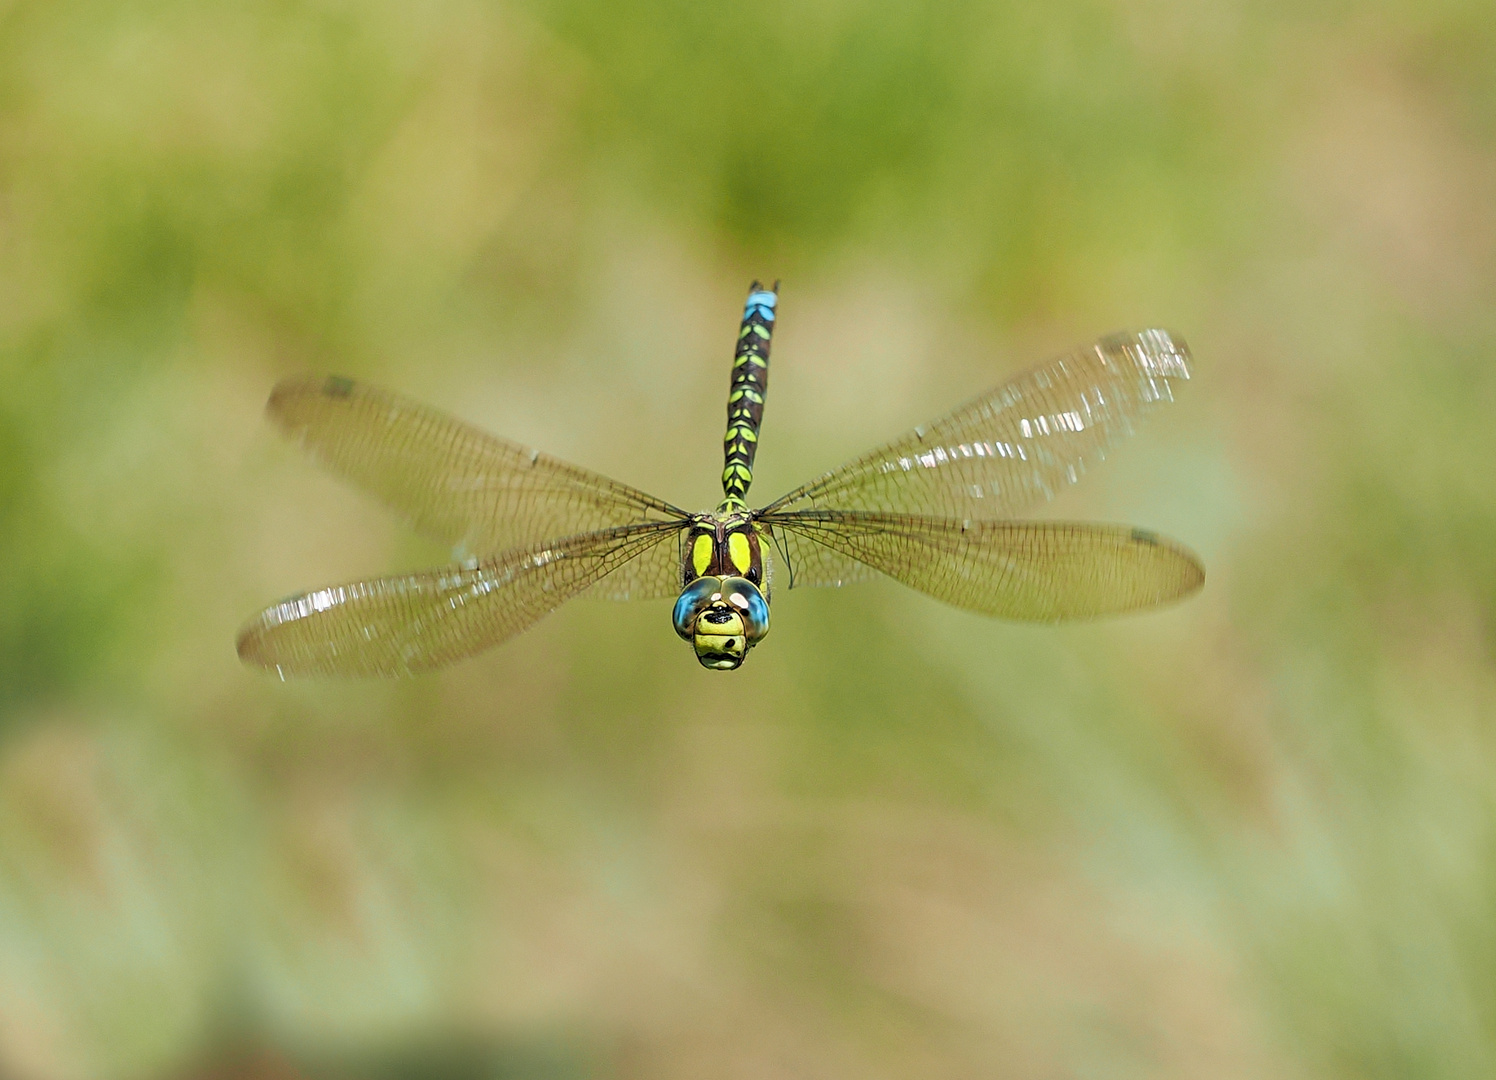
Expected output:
(1247, 837)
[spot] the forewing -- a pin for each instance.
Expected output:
(1039, 571)
(452, 482)
(418, 622)
(1015, 445)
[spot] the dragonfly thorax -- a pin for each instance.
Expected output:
(723, 544)
(722, 609)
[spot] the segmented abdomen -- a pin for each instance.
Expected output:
(745, 401)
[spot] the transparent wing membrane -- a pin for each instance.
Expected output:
(1016, 445)
(452, 482)
(1037, 571)
(653, 574)
(805, 563)
(416, 622)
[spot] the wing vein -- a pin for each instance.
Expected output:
(451, 481)
(419, 621)
(1016, 445)
(1041, 571)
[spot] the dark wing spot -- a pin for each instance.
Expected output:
(337, 387)
(1143, 536)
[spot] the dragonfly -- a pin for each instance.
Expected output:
(934, 509)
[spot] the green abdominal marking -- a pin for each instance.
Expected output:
(745, 396)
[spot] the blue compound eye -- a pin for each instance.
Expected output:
(745, 598)
(693, 600)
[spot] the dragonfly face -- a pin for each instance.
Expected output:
(722, 617)
(935, 509)
(722, 610)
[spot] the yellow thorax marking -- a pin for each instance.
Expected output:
(701, 554)
(738, 552)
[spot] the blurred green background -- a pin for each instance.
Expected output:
(1250, 836)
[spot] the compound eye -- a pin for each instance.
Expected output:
(693, 600)
(745, 598)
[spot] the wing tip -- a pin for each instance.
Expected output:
(1156, 351)
(1190, 568)
(248, 645)
(256, 648)
(288, 393)
(256, 645)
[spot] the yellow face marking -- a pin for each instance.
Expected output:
(738, 552)
(731, 626)
(721, 653)
(701, 554)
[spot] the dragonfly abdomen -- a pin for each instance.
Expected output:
(745, 399)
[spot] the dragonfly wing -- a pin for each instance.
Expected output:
(803, 562)
(1015, 445)
(408, 623)
(1038, 571)
(453, 482)
(654, 575)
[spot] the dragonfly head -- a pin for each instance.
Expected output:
(723, 617)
